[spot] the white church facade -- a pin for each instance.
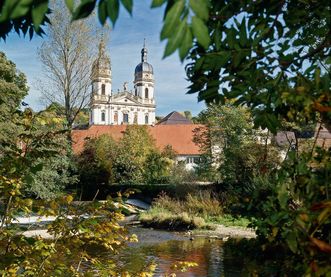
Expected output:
(123, 107)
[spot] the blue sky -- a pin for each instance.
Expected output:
(126, 41)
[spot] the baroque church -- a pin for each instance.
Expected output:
(111, 113)
(122, 107)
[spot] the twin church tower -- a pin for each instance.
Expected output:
(122, 107)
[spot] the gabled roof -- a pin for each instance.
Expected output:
(180, 137)
(174, 118)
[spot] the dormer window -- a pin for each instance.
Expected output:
(103, 89)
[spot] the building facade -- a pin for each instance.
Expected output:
(123, 107)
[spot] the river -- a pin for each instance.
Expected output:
(167, 248)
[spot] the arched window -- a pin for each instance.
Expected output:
(125, 118)
(103, 116)
(136, 92)
(116, 117)
(146, 119)
(103, 89)
(146, 92)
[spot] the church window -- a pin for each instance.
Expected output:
(103, 89)
(103, 116)
(116, 117)
(146, 92)
(136, 92)
(125, 118)
(146, 119)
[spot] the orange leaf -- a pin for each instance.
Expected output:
(321, 245)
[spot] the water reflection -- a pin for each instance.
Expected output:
(155, 245)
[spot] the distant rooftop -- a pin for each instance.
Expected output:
(174, 118)
(180, 137)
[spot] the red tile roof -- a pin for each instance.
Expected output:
(180, 137)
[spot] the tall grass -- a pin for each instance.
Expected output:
(203, 203)
(199, 210)
(164, 219)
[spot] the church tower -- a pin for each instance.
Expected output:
(101, 87)
(144, 79)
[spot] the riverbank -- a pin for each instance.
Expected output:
(218, 232)
(225, 232)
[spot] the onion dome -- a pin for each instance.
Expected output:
(101, 66)
(144, 66)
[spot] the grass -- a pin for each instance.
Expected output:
(164, 219)
(199, 211)
(229, 221)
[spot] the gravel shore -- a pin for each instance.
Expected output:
(222, 231)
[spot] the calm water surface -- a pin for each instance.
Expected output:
(166, 248)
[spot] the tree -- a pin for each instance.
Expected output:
(134, 148)
(33, 159)
(31, 143)
(13, 88)
(67, 58)
(233, 150)
(55, 167)
(132, 160)
(274, 58)
(249, 51)
(188, 114)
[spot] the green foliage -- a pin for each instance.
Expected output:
(256, 57)
(106, 9)
(54, 177)
(23, 16)
(13, 88)
(295, 207)
(132, 160)
(182, 177)
(228, 220)
(13, 85)
(234, 152)
(158, 170)
(188, 114)
(77, 229)
(29, 139)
